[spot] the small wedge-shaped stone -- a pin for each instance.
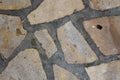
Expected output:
(62, 74)
(25, 66)
(106, 33)
(75, 48)
(104, 4)
(11, 34)
(108, 71)
(46, 41)
(14, 4)
(50, 10)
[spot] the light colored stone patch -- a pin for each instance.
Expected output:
(50, 10)
(62, 74)
(11, 34)
(108, 38)
(108, 71)
(14, 4)
(75, 48)
(25, 66)
(46, 41)
(104, 4)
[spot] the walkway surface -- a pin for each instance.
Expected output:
(60, 39)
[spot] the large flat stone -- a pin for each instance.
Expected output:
(108, 71)
(75, 48)
(14, 4)
(104, 4)
(50, 10)
(62, 74)
(106, 33)
(25, 66)
(46, 41)
(11, 34)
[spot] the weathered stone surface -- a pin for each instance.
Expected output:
(14, 4)
(106, 33)
(104, 4)
(108, 71)
(62, 74)
(25, 66)
(11, 34)
(46, 41)
(50, 10)
(75, 48)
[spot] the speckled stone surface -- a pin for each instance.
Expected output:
(25, 66)
(50, 10)
(107, 38)
(103, 4)
(11, 34)
(14, 4)
(59, 40)
(75, 48)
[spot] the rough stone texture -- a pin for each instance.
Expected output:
(50, 10)
(46, 41)
(108, 71)
(11, 34)
(108, 37)
(103, 4)
(25, 66)
(14, 4)
(75, 48)
(62, 74)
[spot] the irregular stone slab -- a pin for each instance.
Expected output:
(104, 4)
(50, 10)
(106, 33)
(109, 71)
(75, 48)
(46, 41)
(11, 34)
(62, 74)
(14, 4)
(25, 66)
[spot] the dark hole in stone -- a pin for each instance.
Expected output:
(99, 27)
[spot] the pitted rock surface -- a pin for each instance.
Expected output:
(11, 34)
(14, 4)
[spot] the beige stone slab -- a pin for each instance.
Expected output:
(108, 71)
(25, 66)
(50, 10)
(11, 34)
(14, 4)
(46, 41)
(75, 48)
(62, 74)
(104, 4)
(108, 38)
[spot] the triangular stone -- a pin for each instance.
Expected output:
(25, 66)
(62, 74)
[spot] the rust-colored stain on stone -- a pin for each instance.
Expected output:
(7, 37)
(18, 32)
(11, 34)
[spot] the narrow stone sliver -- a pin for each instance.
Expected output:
(59, 40)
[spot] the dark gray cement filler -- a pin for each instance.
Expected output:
(77, 19)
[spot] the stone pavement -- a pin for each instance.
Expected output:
(59, 40)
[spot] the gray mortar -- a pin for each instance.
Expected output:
(77, 19)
